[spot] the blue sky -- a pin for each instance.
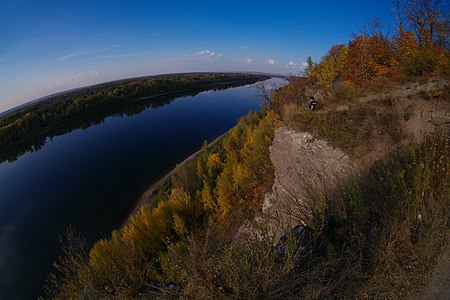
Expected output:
(50, 46)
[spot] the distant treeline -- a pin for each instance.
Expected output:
(27, 129)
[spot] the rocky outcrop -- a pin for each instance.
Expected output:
(304, 168)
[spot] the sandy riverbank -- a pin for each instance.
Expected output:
(152, 188)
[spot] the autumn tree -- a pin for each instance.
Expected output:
(331, 67)
(310, 64)
(422, 39)
(265, 91)
(247, 174)
(359, 66)
(428, 19)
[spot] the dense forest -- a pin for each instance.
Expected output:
(27, 129)
(199, 238)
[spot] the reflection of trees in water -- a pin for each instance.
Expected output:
(86, 120)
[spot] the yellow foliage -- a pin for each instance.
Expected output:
(225, 191)
(214, 161)
(331, 67)
(178, 199)
(133, 255)
(247, 175)
(207, 198)
(178, 225)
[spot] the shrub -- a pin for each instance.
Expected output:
(345, 91)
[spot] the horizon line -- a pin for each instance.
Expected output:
(59, 93)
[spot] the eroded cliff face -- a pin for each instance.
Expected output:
(305, 167)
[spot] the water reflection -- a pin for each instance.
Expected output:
(35, 143)
(92, 178)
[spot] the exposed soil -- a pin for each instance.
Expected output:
(304, 166)
(420, 107)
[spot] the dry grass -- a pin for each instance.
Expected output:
(410, 200)
(353, 130)
(361, 248)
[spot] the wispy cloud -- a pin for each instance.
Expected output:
(244, 47)
(137, 54)
(271, 61)
(304, 64)
(209, 53)
(249, 61)
(85, 52)
(74, 54)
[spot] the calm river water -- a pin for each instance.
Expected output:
(91, 178)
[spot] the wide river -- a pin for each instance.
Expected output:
(92, 178)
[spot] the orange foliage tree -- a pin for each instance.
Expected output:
(422, 39)
(359, 66)
(369, 58)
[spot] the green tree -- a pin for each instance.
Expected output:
(310, 64)
(331, 67)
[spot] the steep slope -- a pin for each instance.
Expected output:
(310, 165)
(304, 167)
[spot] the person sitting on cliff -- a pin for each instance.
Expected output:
(312, 105)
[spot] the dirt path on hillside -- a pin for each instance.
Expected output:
(421, 106)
